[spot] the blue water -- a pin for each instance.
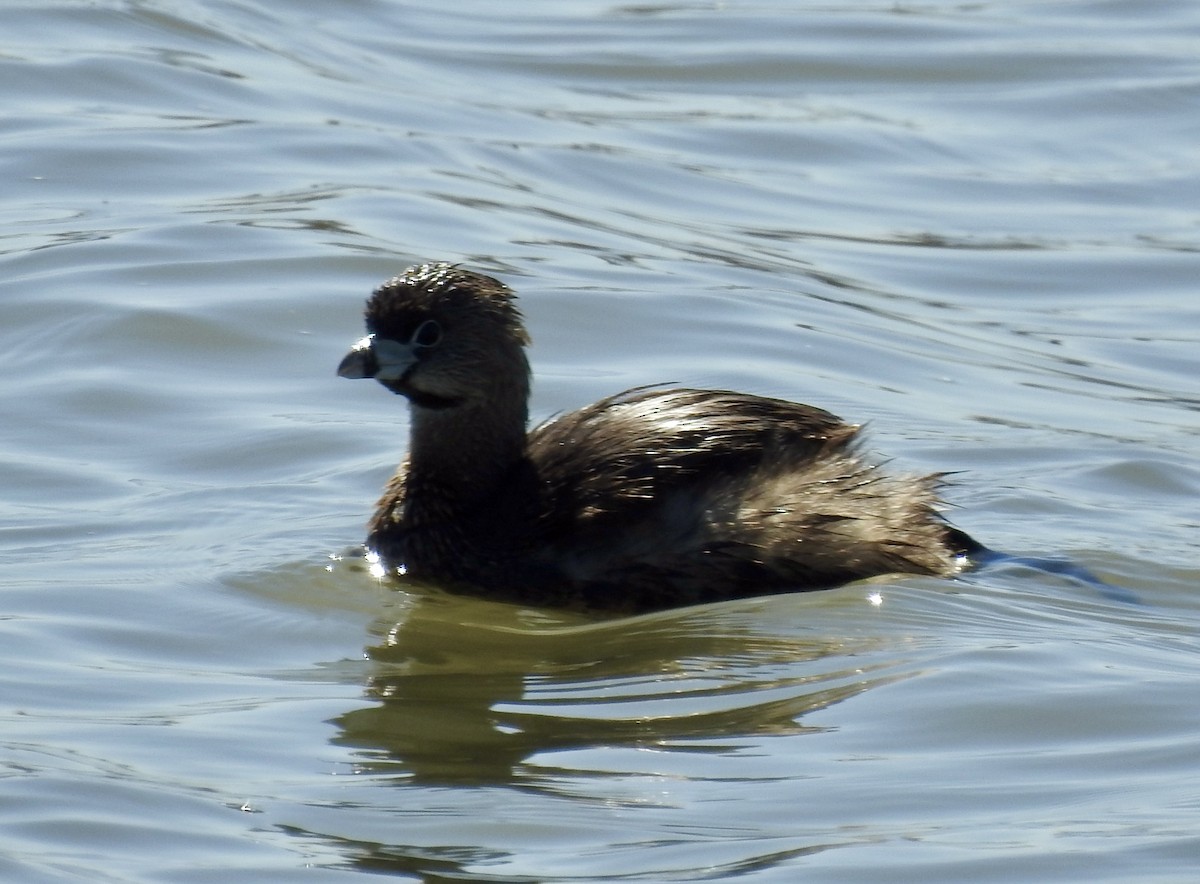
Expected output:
(973, 227)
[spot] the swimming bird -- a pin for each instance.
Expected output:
(653, 498)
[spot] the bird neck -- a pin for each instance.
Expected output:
(463, 452)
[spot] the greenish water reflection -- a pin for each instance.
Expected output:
(466, 691)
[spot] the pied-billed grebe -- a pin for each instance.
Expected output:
(649, 499)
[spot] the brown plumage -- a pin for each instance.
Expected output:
(649, 499)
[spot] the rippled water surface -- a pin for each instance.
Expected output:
(974, 226)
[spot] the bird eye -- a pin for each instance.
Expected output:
(428, 334)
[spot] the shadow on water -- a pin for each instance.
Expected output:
(1057, 566)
